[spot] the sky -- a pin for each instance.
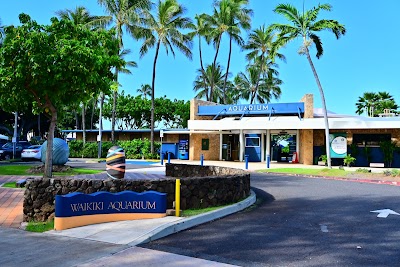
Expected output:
(365, 59)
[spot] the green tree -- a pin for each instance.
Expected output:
(53, 66)
(200, 29)
(256, 88)
(144, 91)
(229, 16)
(306, 26)
(165, 28)
(375, 103)
(212, 77)
(81, 16)
(123, 15)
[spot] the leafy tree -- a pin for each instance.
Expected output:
(165, 28)
(134, 112)
(123, 14)
(54, 66)
(306, 26)
(375, 103)
(144, 90)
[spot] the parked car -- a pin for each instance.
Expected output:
(31, 153)
(6, 151)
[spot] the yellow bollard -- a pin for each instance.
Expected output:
(177, 197)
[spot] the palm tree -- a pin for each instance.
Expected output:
(375, 103)
(82, 16)
(211, 76)
(305, 25)
(263, 49)
(144, 90)
(200, 29)
(258, 89)
(230, 17)
(122, 15)
(164, 29)
(233, 16)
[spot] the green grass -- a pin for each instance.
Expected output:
(14, 170)
(77, 171)
(194, 212)
(40, 227)
(10, 185)
(305, 171)
(23, 170)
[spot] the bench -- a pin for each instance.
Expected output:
(376, 165)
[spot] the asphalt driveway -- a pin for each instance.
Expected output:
(301, 222)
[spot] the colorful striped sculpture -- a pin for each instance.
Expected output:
(115, 162)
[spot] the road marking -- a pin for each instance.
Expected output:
(384, 213)
(324, 228)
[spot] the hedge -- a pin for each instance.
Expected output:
(134, 149)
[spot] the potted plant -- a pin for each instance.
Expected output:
(348, 160)
(324, 159)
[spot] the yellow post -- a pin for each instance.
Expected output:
(177, 197)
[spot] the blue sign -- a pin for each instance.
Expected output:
(79, 204)
(252, 109)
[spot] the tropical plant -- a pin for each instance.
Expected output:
(388, 149)
(144, 91)
(59, 51)
(123, 15)
(305, 26)
(348, 160)
(230, 16)
(81, 16)
(263, 49)
(324, 159)
(256, 88)
(200, 29)
(375, 103)
(164, 28)
(213, 76)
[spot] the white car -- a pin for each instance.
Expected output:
(31, 153)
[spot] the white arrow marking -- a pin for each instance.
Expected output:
(384, 213)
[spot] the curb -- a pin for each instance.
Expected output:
(186, 223)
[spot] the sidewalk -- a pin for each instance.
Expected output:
(11, 203)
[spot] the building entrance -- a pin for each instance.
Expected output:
(283, 146)
(230, 147)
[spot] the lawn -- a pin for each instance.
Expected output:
(10, 185)
(316, 172)
(40, 227)
(23, 170)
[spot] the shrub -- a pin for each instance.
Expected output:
(134, 149)
(349, 160)
(395, 172)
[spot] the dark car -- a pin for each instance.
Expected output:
(6, 151)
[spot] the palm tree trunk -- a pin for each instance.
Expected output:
(321, 91)
(202, 66)
(100, 125)
(48, 165)
(76, 120)
(152, 98)
(227, 69)
(83, 124)
(113, 109)
(213, 69)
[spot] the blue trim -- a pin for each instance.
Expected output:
(253, 109)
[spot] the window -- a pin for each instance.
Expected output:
(370, 139)
(252, 141)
